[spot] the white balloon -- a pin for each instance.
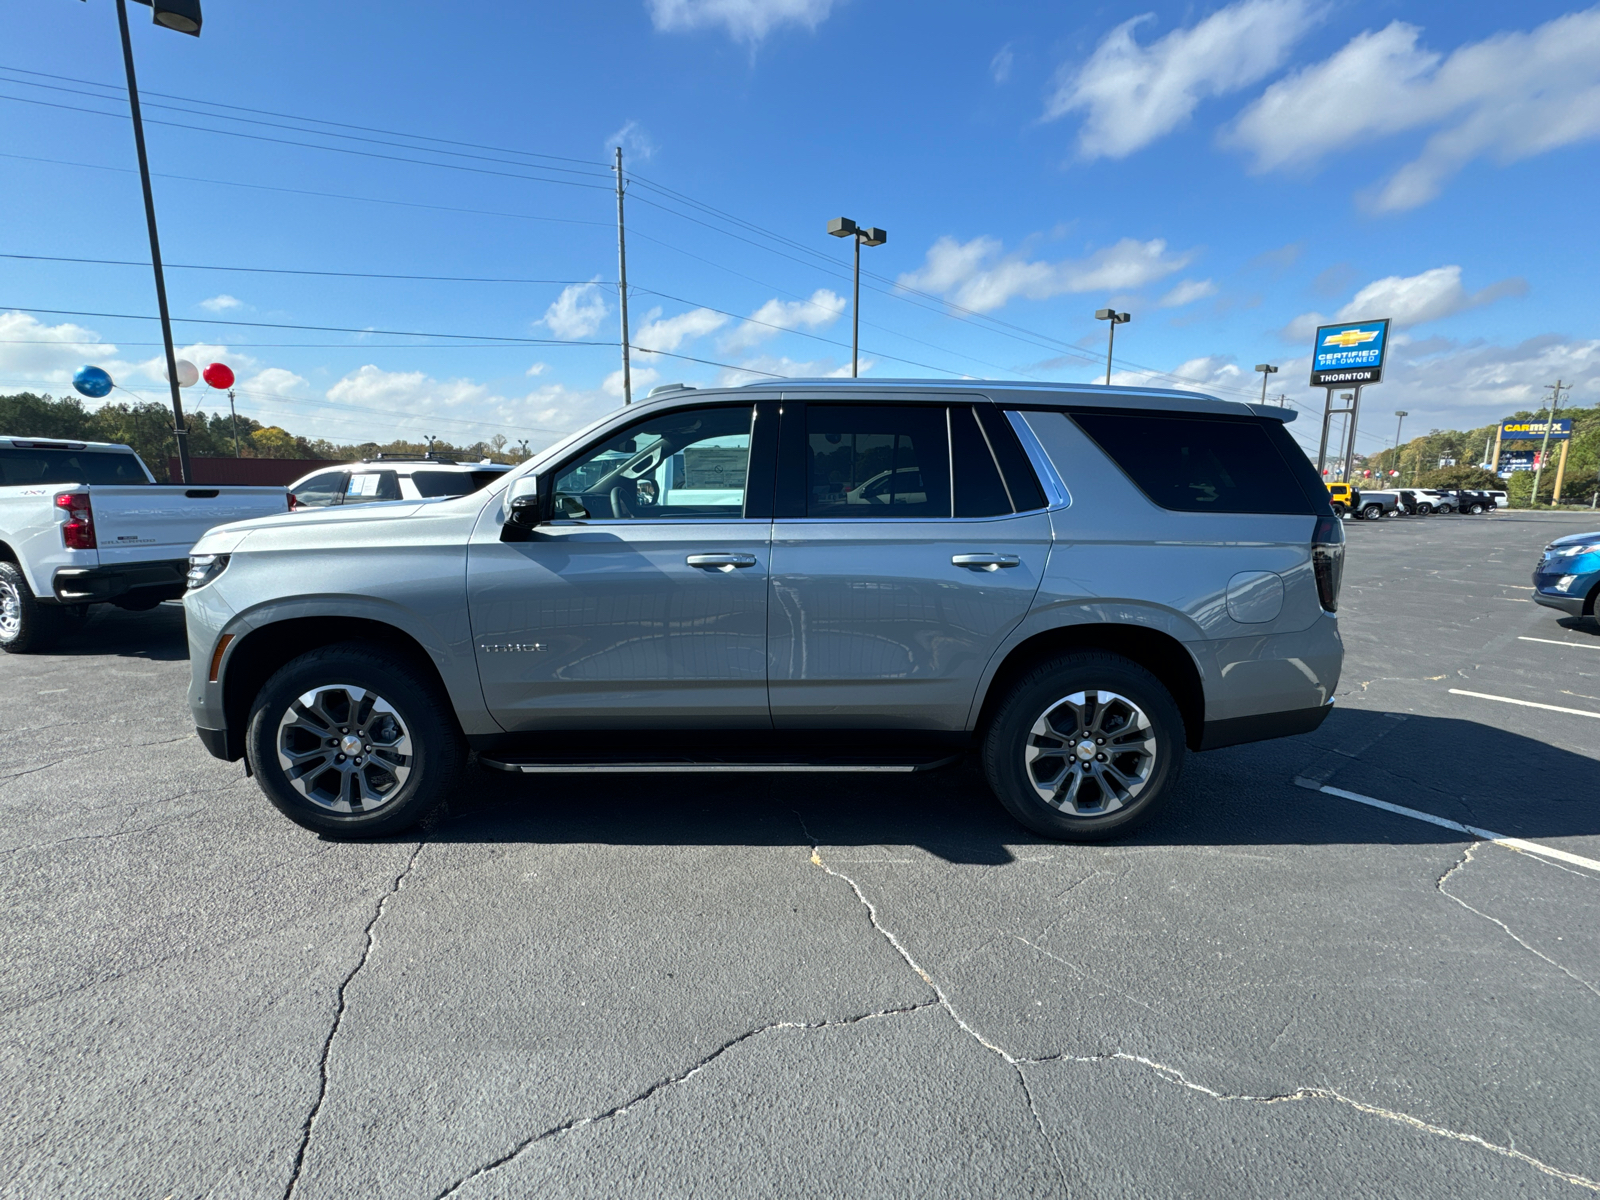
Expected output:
(188, 373)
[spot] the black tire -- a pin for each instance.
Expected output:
(1338, 509)
(1444, 510)
(399, 789)
(1477, 509)
(26, 626)
(1048, 689)
(1372, 512)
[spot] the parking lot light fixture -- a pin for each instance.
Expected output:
(845, 227)
(1400, 419)
(1116, 318)
(183, 16)
(1266, 369)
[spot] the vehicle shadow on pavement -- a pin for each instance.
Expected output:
(1587, 626)
(1465, 771)
(156, 634)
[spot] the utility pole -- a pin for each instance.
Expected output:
(178, 431)
(1400, 419)
(1544, 449)
(622, 287)
(235, 414)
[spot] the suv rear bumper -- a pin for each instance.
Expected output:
(1236, 731)
(162, 580)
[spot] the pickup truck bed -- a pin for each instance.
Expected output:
(85, 523)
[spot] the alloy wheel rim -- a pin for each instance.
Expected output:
(1090, 753)
(344, 748)
(10, 610)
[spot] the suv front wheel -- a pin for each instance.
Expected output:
(1084, 747)
(351, 742)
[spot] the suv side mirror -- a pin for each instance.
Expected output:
(525, 509)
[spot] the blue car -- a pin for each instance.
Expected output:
(1568, 576)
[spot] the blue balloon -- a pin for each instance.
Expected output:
(92, 382)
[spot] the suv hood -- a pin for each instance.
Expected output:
(1576, 538)
(384, 511)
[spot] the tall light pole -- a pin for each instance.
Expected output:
(1116, 318)
(622, 289)
(845, 227)
(1400, 419)
(183, 16)
(1266, 369)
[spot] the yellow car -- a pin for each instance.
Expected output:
(1344, 497)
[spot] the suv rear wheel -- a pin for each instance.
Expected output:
(1371, 512)
(1084, 747)
(350, 742)
(26, 626)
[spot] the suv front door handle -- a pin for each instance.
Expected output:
(985, 562)
(721, 562)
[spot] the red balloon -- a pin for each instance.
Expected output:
(219, 375)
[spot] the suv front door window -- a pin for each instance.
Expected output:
(645, 599)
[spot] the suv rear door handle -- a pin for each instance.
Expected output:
(985, 562)
(721, 562)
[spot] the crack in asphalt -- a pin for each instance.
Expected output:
(671, 1081)
(1509, 932)
(1172, 1074)
(338, 1019)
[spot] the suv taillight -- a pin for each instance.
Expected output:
(1327, 560)
(293, 503)
(77, 531)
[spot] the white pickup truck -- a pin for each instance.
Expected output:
(86, 523)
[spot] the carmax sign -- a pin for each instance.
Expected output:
(1349, 354)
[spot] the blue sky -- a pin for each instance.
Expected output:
(1227, 173)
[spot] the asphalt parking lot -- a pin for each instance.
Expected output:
(726, 986)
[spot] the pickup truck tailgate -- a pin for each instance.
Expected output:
(140, 524)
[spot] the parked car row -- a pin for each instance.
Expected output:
(1372, 505)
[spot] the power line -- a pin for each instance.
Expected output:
(119, 262)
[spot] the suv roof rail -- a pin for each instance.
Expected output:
(428, 457)
(662, 388)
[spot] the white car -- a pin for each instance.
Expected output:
(392, 477)
(86, 523)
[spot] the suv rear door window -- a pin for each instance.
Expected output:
(20, 467)
(1198, 464)
(877, 462)
(370, 487)
(320, 490)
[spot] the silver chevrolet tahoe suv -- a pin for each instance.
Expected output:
(1076, 584)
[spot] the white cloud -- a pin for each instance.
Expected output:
(766, 366)
(1000, 65)
(1508, 97)
(975, 275)
(1135, 94)
(669, 334)
(636, 143)
(1410, 300)
(775, 316)
(275, 381)
(641, 379)
(1187, 292)
(221, 303)
(403, 391)
(55, 353)
(538, 368)
(577, 312)
(744, 20)
(1211, 373)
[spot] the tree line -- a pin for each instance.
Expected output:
(147, 428)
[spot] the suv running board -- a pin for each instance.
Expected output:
(722, 764)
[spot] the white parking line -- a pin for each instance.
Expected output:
(1554, 642)
(1487, 835)
(1577, 712)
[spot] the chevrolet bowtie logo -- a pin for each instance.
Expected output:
(1350, 337)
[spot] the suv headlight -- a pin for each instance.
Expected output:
(203, 568)
(1574, 551)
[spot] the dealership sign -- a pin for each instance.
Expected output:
(1533, 431)
(1349, 354)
